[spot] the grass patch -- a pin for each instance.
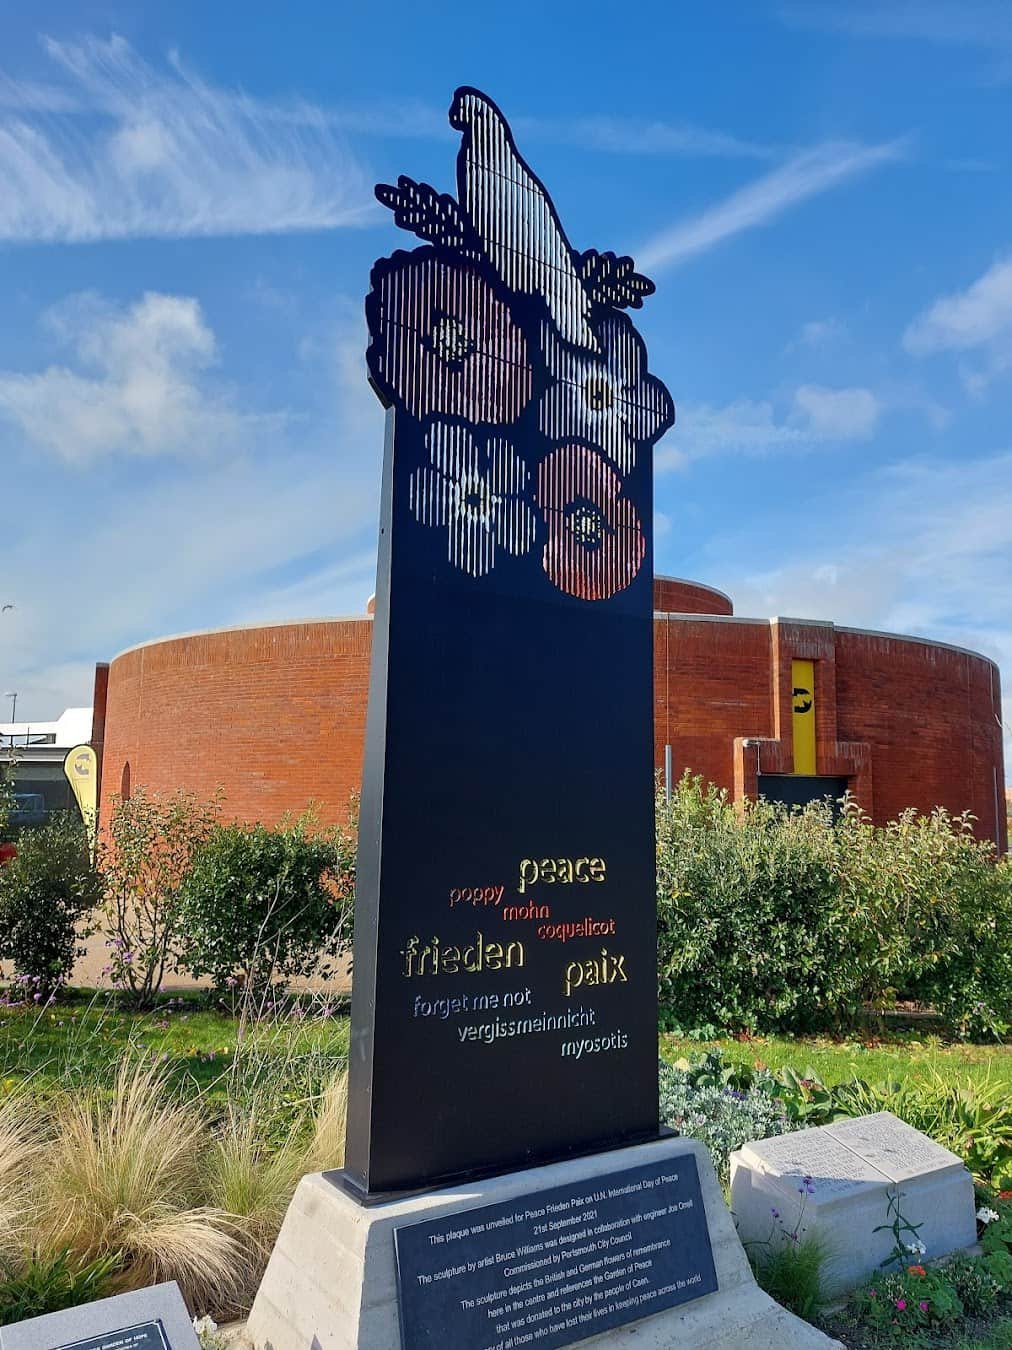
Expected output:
(202, 1053)
(898, 1057)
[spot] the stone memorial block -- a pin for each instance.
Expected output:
(854, 1167)
(332, 1280)
(146, 1319)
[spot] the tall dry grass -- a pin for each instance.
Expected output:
(22, 1141)
(124, 1175)
(326, 1149)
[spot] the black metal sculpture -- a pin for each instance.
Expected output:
(504, 1006)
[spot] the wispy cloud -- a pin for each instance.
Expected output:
(805, 175)
(816, 415)
(139, 386)
(976, 23)
(117, 148)
(628, 136)
(976, 319)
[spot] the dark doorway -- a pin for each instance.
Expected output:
(799, 789)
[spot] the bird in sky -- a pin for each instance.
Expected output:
(514, 218)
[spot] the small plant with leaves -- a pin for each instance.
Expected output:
(152, 838)
(906, 1243)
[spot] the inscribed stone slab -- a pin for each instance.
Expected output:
(146, 1319)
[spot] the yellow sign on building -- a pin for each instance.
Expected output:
(803, 716)
(81, 769)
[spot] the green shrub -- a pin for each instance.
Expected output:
(778, 919)
(698, 1099)
(791, 1272)
(43, 1284)
(261, 905)
(151, 839)
(44, 893)
(752, 928)
(974, 1282)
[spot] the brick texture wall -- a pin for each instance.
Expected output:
(276, 715)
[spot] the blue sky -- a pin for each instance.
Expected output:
(822, 193)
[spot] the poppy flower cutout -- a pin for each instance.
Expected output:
(596, 543)
(608, 401)
(475, 495)
(442, 341)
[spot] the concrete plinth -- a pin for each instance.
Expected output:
(331, 1281)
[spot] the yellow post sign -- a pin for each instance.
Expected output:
(81, 769)
(803, 716)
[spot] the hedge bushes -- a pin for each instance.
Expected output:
(44, 893)
(777, 919)
(260, 906)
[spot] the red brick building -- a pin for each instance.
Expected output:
(275, 714)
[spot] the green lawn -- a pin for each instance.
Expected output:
(82, 1039)
(205, 1053)
(898, 1058)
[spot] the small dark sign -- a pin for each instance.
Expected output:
(143, 1336)
(556, 1266)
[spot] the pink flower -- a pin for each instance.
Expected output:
(444, 342)
(595, 542)
(901, 1303)
(923, 1306)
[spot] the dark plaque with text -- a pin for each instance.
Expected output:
(144, 1336)
(556, 1266)
(504, 1004)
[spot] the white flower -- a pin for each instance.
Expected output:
(916, 1248)
(608, 401)
(985, 1215)
(202, 1325)
(476, 496)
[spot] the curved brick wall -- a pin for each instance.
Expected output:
(672, 595)
(276, 715)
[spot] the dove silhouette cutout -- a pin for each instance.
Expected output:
(513, 216)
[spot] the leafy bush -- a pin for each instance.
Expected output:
(151, 840)
(976, 1286)
(753, 930)
(44, 893)
(770, 918)
(260, 905)
(696, 1099)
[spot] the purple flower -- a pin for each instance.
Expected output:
(923, 1306)
(901, 1303)
(775, 1212)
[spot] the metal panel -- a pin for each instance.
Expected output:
(504, 978)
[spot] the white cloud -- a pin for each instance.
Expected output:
(922, 547)
(977, 319)
(121, 149)
(139, 387)
(752, 427)
(822, 332)
(266, 528)
(837, 414)
(804, 176)
(628, 136)
(966, 319)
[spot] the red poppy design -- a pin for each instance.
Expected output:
(443, 342)
(595, 543)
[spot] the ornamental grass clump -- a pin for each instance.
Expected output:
(21, 1145)
(327, 1147)
(124, 1175)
